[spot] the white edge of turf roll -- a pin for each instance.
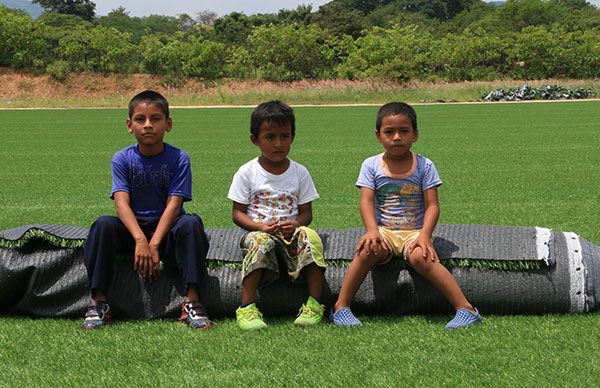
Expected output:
(576, 273)
(542, 241)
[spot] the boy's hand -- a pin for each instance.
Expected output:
(146, 260)
(426, 244)
(268, 227)
(142, 257)
(154, 263)
(287, 228)
(372, 243)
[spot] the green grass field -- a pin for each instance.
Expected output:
(531, 164)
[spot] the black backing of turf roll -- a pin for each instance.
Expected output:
(39, 279)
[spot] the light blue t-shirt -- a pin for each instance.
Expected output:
(399, 202)
(151, 180)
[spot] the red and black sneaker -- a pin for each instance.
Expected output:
(97, 316)
(194, 315)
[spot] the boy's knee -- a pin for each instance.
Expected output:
(419, 263)
(372, 259)
(256, 240)
(105, 223)
(190, 223)
(307, 234)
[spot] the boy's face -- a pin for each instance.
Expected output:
(148, 124)
(274, 141)
(397, 135)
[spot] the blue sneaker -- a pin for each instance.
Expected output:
(344, 317)
(194, 315)
(464, 318)
(97, 316)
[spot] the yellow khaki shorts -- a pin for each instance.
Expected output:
(398, 241)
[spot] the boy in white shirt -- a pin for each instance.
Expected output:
(272, 197)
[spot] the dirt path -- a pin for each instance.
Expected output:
(97, 91)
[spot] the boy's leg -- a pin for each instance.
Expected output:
(250, 285)
(441, 278)
(355, 275)
(260, 264)
(304, 254)
(341, 315)
(187, 243)
(259, 267)
(314, 278)
(107, 237)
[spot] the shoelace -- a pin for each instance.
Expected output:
(306, 309)
(194, 310)
(95, 312)
(254, 314)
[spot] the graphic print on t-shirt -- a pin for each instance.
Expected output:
(145, 177)
(399, 205)
(271, 206)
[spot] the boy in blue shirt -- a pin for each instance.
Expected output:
(272, 199)
(399, 207)
(150, 182)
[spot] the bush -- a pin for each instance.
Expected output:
(399, 53)
(59, 70)
(203, 58)
(291, 52)
(472, 55)
(21, 42)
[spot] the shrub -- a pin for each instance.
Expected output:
(59, 70)
(399, 53)
(291, 52)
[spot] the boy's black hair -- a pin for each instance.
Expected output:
(275, 113)
(394, 109)
(149, 96)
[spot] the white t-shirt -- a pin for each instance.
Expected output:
(272, 198)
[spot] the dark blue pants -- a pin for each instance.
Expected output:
(186, 244)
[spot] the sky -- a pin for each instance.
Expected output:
(192, 7)
(221, 7)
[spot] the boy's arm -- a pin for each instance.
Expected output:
(371, 241)
(304, 219)
(142, 255)
(241, 219)
(172, 211)
(430, 218)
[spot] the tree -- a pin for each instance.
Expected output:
(301, 15)
(57, 25)
(206, 17)
(186, 23)
(400, 53)
(233, 28)
(119, 18)
(291, 52)
(364, 6)
(339, 19)
(85, 9)
(575, 4)
(112, 51)
(21, 42)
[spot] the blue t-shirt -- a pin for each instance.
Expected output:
(150, 180)
(399, 202)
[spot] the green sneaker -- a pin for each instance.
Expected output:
(310, 313)
(249, 318)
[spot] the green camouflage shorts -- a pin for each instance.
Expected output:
(262, 250)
